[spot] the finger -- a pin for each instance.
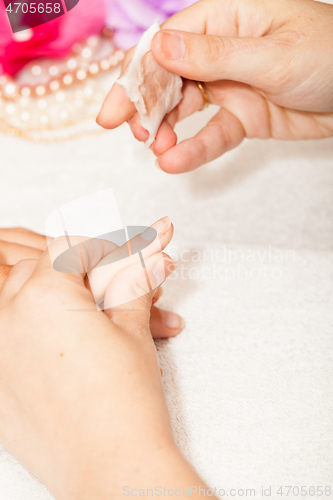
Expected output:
(11, 253)
(69, 259)
(211, 58)
(23, 237)
(167, 137)
(165, 324)
(16, 277)
(128, 254)
(192, 101)
(128, 299)
(222, 133)
(140, 133)
(117, 108)
(158, 294)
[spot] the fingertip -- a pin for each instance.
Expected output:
(169, 164)
(186, 156)
(165, 324)
(172, 320)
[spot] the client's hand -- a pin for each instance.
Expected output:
(268, 65)
(17, 244)
(82, 403)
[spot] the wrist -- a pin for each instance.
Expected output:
(110, 474)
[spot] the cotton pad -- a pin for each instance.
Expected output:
(153, 90)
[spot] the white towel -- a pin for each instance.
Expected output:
(249, 381)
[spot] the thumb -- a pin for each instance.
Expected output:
(210, 58)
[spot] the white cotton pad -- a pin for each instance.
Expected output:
(153, 90)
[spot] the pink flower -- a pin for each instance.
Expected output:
(52, 39)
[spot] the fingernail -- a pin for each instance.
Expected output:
(160, 227)
(172, 46)
(160, 269)
(149, 234)
(172, 320)
(157, 164)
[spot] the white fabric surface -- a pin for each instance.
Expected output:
(249, 381)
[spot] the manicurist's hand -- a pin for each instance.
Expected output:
(268, 65)
(82, 403)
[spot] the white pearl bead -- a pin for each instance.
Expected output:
(25, 91)
(10, 108)
(105, 65)
(71, 63)
(36, 70)
(113, 61)
(81, 75)
(86, 53)
(92, 41)
(10, 88)
(68, 79)
(54, 86)
(40, 90)
(120, 55)
(93, 68)
(53, 70)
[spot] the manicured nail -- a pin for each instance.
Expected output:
(172, 46)
(172, 320)
(160, 227)
(157, 164)
(148, 234)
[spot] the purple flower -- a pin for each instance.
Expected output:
(130, 18)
